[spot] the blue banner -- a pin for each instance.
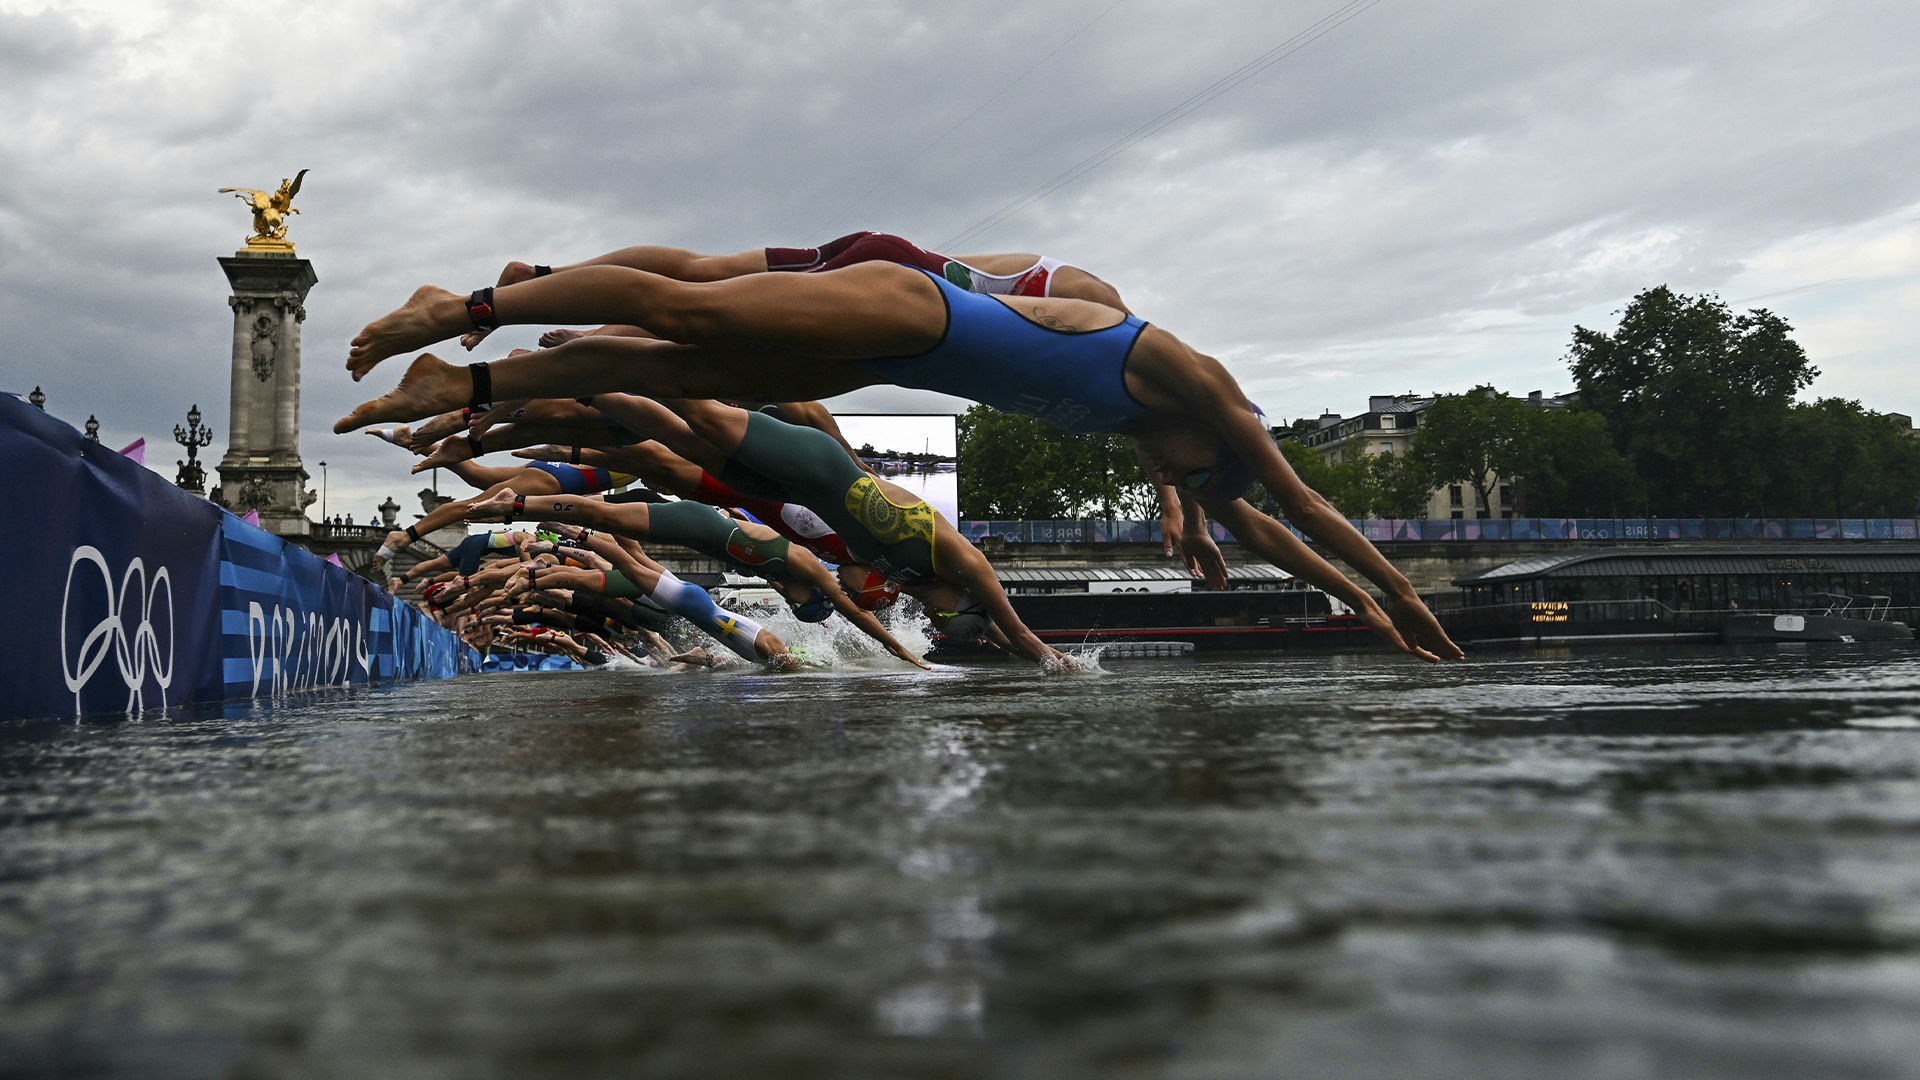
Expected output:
(130, 594)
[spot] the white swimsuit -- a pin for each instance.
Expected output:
(1035, 280)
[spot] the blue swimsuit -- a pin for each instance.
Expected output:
(1072, 379)
(580, 479)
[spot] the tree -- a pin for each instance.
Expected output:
(1358, 484)
(1018, 468)
(1697, 399)
(1848, 462)
(1572, 469)
(1476, 438)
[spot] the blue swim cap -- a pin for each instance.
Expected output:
(817, 607)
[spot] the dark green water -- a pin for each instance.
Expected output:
(1626, 863)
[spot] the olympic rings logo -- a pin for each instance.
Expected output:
(133, 643)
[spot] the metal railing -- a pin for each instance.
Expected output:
(1588, 530)
(322, 530)
(1548, 618)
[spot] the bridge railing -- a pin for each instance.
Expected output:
(1546, 617)
(1572, 530)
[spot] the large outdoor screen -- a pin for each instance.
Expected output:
(915, 451)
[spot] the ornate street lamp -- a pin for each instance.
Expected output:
(37, 399)
(323, 492)
(389, 512)
(93, 427)
(192, 477)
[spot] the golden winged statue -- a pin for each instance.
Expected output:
(270, 213)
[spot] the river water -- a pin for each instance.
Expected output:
(1689, 862)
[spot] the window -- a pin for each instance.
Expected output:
(1506, 495)
(1482, 514)
(1386, 446)
(1457, 515)
(1386, 422)
(1454, 497)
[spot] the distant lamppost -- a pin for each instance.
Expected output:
(323, 492)
(37, 399)
(93, 427)
(192, 476)
(389, 512)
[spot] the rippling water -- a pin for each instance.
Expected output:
(1627, 863)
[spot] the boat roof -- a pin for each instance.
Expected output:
(1688, 561)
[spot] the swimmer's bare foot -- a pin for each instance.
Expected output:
(400, 436)
(425, 435)
(430, 386)
(497, 508)
(774, 652)
(449, 452)
(515, 273)
(559, 337)
(432, 314)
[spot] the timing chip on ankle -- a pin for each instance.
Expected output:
(480, 309)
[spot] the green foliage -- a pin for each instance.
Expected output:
(1685, 410)
(1015, 467)
(1697, 399)
(1700, 403)
(1572, 469)
(1359, 485)
(1848, 462)
(1475, 439)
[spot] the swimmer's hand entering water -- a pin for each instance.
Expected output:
(1419, 632)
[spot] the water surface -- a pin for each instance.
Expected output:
(1622, 863)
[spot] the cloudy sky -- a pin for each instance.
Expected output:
(1428, 197)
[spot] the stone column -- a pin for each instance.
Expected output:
(261, 469)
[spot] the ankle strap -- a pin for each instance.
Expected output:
(541, 271)
(480, 309)
(482, 386)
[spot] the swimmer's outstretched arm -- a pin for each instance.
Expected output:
(632, 519)
(1175, 378)
(1196, 547)
(808, 569)
(964, 566)
(1277, 545)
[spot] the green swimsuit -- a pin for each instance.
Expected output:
(788, 463)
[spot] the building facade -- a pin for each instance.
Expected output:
(1388, 427)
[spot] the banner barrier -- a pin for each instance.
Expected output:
(1094, 531)
(130, 594)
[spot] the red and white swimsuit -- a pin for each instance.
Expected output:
(1035, 280)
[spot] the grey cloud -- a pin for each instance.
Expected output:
(1413, 196)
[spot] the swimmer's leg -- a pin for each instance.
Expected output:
(737, 632)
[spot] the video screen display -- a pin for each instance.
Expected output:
(914, 451)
